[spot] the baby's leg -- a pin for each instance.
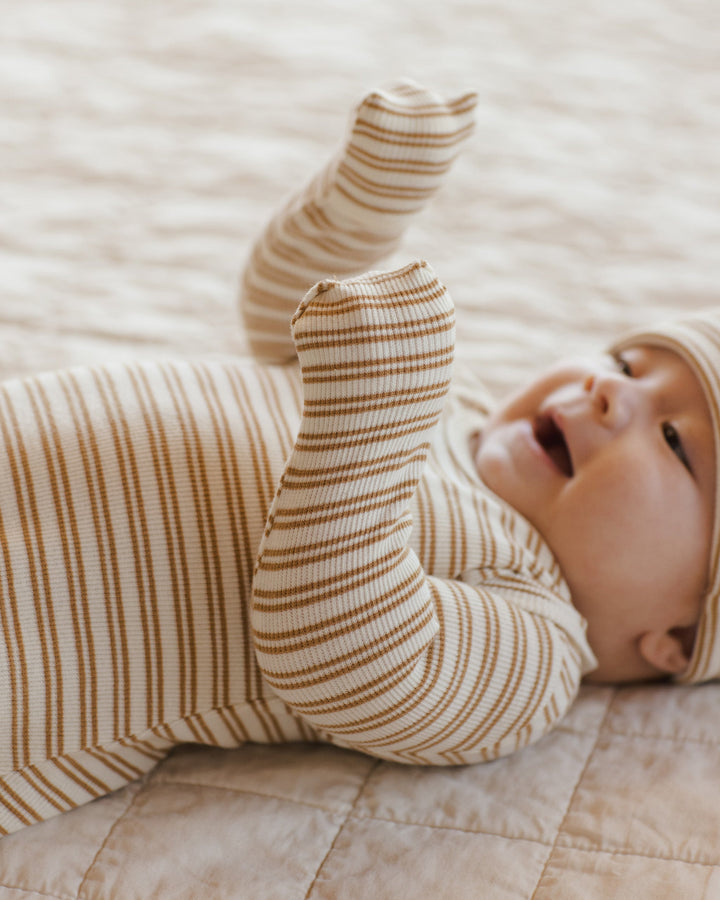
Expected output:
(349, 630)
(354, 212)
(341, 609)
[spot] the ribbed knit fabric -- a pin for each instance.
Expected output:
(349, 629)
(134, 499)
(400, 608)
(400, 143)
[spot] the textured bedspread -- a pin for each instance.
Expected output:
(142, 144)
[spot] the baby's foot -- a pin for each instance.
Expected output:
(355, 211)
(401, 143)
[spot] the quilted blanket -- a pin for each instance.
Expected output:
(143, 143)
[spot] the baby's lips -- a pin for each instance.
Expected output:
(550, 434)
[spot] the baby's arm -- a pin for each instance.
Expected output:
(400, 143)
(348, 628)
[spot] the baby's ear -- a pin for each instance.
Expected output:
(668, 651)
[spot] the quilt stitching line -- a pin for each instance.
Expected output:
(360, 792)
(619, 851)
(33, 892)
(112, 828)
(579, 781)
(633, 735)
(263, 794)
(402, 822)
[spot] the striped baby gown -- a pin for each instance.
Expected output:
(134, 498)
(395, 606)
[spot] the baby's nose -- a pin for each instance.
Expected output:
(599, 397)
(612, 397)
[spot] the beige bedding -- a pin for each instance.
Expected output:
(141, 146)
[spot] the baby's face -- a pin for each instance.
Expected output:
(613, 461)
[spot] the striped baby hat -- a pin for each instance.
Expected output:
(696, 339)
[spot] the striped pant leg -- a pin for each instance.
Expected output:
(340, 604)
(401, 142)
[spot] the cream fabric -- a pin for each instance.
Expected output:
(135, 498)
(133, 517)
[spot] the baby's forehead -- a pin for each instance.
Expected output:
(668, 364)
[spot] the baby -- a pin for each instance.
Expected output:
(637, 574)
(226, 552)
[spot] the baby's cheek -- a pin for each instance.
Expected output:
(613, 529)
(495, 465)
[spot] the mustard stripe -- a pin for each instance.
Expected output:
(67, 530)
(204, 518)
(108, 556)
(17, 661)
(39, 587)
(174, 542)
(133, 513)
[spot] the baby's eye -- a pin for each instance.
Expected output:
(674, 442)
(623, 365)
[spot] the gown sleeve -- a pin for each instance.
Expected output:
(348, 629)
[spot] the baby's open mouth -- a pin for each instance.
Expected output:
(552, 440)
